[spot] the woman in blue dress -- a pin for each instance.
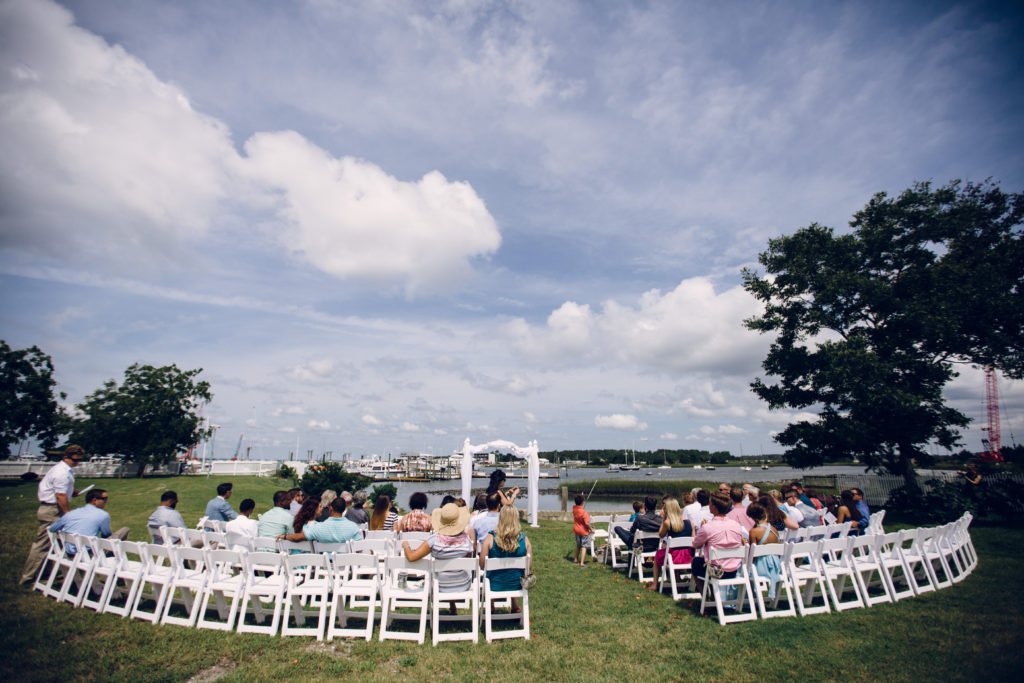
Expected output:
(767, 566)
(507, 540)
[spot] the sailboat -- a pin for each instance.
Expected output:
(629, 467)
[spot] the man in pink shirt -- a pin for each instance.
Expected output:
(738, 513)
(720, 532)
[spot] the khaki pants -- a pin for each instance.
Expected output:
(47, 515)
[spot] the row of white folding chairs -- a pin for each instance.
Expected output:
(873, 569)
(99, 573)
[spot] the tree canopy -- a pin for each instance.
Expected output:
(870, 324)
(28, 405)
(147, 419)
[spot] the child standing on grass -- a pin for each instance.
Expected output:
(581, 527)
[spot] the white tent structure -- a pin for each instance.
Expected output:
(529, 454)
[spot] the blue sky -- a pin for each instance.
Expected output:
(392, 226)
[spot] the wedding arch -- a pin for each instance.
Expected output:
(529, 453)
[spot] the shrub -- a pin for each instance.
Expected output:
(287, 473)
(388, 490)
(331, 475)
(939, 501)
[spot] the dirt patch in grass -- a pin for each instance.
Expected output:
(336, 649)
(218, 670)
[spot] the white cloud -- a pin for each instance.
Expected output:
(319, 425)
(352, 220)
(529, 417)
(693, 328)
(371, 420)
(100, 155)
(409, 427)
(620, 421)
(287, 430)
(295, 410)
(319, 371)
(668, 436)
(251, 422)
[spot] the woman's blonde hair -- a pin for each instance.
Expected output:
(674, 514)
(506, 534)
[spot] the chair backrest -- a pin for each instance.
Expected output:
(195, 537)
(299, 546)
(376, 546)
(319, 547)
(202, 522)
(216, 539)
(678, 542)
(236, 541)
(174, 535)
(380, 534)
(492, 564)
(302, 565)
(156, 534)
(413, 536)
(459, 564)
(183, 555)
(262, 543)
(765, 549)
(155, 557)
(258, 564)
(810, 551)
(223, 564)
(348, 566)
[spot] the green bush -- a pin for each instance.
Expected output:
(388, 490)
(287, 473)
(330, 475)
(944, 501)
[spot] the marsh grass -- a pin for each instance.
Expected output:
(589, 623)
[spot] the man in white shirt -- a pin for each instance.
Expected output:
(703, 511)
(56, 489)
(243, 524)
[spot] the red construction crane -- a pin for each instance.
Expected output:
(993, 452)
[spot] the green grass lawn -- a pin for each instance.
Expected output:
(588, 624)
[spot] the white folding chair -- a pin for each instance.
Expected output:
(935, 561)
(380, 534)
(949, 548)
(836, 565)
(79, 572)
(920, 575)
(676, 575)
(189, 578)
(63, 560)
(619, 555)
(406, 585)
(490, 596)
(265, 581)
(868, 569)
(157, 572)
(733, 593)
(468, 598)
(236, 541)
(174, 536)
(225, 580)
(895, 570)
(763, 584)
(129, 574)
(357, 585)
(102, 581)
(309, 580)
(600, 535)
(215, 540)
(802, 563)
(965, 537)
(48, 568)
(875, 522)
(641, 557)
(414, 537)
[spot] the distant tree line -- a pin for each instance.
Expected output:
(661, 456)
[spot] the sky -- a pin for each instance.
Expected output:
(392, 226)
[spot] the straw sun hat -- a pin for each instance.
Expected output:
(450, 519)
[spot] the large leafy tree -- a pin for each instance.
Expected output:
(870, 324)
(148, 418)
(28, 405)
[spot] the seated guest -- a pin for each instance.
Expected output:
(416, 519)
(91, 519)
(449, 540)
(488, 522)
(356, 512)
(479, 507)
(720, 533)
(747, 489)
(804, 497)
(776, 517)
(324, 511)
(862, 507)
(692, 507)
(673, 525)
(650, 521)
(768, 566)
(219, 509)
(805, 515)
(277, 520)
(506, 540)
(738, 513)
(702, 513)
(449, 498)
(298, 498)
(638, 507)
(243, 524)
(847, 511)
(383, 517)
(164, 515)
(335, 529)
(307, 512)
